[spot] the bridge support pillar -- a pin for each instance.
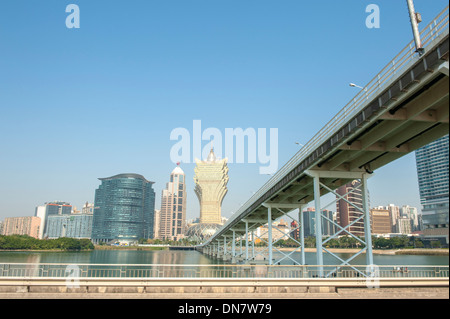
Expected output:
(363, 211)
(233, 248)
(269, 227)
(246, 240)
(224, 245)
(278, 207)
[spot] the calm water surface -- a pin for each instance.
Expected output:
(194, 257)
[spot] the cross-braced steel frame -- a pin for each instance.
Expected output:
(365, 217)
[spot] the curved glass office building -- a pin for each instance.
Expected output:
(124, 209)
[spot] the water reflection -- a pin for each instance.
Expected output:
(183, 257)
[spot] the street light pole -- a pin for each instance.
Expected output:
(415, 19)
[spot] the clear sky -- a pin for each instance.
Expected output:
(79, 104)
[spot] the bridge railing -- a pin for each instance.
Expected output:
(29, 270)
(406, 57)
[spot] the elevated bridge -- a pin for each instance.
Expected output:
(403, 108)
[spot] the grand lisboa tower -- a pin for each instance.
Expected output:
(211, 178)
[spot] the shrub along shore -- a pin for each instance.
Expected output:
(24, 242)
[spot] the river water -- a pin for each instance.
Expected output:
(185, 257)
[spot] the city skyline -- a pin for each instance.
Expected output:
(72, 98)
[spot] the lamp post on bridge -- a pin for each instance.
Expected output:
(359, 87)
(415, 20)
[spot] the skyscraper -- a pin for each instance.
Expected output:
(211, 178)
(172, 221)
(432, 169)
(346, 213)
(124, 209)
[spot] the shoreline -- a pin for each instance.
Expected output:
(392, 252)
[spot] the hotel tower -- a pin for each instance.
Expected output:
(211, 178)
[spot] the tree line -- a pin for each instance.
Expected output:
(351, 242)
(310, 242)
(15, 242)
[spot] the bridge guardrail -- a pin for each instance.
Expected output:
(30, 270)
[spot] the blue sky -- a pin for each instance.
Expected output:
(79, 104)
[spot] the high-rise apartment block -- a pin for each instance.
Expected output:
(21, 226)
(346, 213)
(172, 222)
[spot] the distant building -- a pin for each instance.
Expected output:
(404, 226)
(156, 223)
(295, 230)
(433, 174)
(309, 221)
(172, 222)
(21, 226)
(413, 214)
(282, 231)
(73, 226)
(49, 209)
(346, 213)
(124, 209)
(88, 208)
(380, 221)
(395, 215)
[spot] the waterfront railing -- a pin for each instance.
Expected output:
(164, 271)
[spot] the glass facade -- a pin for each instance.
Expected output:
(73, 226)
(124, 209)
(51, 209)
(432, 169)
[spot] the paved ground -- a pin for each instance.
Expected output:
(342, 293)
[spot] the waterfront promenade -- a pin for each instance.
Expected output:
(225, 289)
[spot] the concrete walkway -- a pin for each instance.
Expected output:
(341, 293)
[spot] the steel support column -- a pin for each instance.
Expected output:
(269, 227)
(253, 244)
(367, 228)
(233, 248)
(302, 235)
(364, 216)
(246, 240)
(318, 222)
